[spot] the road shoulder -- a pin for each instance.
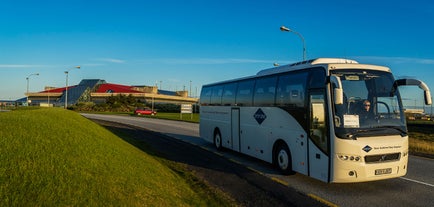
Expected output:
(244, 186)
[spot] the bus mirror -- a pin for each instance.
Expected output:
(338, 92)
(428, 100)
(414, 82)
(339, 96)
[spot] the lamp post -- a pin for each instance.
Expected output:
(66, 89)
(285, 29)
(189, 93)
(28, 77)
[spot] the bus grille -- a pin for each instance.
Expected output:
(382, 158)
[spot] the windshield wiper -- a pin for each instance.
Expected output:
(356, 133)
(378, 130)
(397, 128)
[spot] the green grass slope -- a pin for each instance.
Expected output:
(55, 157)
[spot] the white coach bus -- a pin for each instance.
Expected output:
(307, 117)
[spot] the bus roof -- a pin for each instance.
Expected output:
(329, 63)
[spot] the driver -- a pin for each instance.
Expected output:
(366, 112)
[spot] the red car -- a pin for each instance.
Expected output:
(144, 111)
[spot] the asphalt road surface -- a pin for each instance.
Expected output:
(415, 189)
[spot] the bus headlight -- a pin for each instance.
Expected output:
(354, 158)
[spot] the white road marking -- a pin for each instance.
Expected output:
(416, 181)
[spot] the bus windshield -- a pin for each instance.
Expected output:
(371, 106)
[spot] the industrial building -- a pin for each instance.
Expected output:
(97, 90)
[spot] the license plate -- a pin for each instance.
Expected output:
(383, 171)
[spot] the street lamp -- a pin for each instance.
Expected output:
(285, 29)
(28, 77)
(66, 89)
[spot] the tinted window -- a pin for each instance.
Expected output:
(229, 92)
(291, 95)
(318, 126)
(245, 93)
(318, 78)
(205, 95)
(265, 91)
(291, 90)
(216, 96)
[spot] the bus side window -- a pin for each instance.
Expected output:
(265, 91)
(245, 93)
(228, 98)
(318, 129)
(318, 78)
(205, 96)
(216, 96)
(291, 90)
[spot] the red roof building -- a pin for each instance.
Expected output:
(97, 91)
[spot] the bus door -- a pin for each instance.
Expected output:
(318, 146)
(235, 129)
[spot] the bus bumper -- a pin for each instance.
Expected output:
(370, 172)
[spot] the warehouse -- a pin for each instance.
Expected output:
(97, 90)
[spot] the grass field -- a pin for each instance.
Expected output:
(55, 157)
(421, 138)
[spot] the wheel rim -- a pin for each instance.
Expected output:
(282, 159)
(218, 140)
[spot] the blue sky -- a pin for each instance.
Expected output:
(175, 42)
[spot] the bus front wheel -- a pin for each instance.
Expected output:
(283, 159)
(217, 140)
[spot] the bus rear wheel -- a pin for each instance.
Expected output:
(217, 140)
(283, 161)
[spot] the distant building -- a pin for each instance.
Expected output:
(414, 111)
(7, 103)
(96, 90)
(413, 114)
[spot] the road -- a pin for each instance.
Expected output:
(415, 189)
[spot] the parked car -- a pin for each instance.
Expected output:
(144, 111)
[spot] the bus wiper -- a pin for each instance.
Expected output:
(366, 132)
(356, 133)
(397, 128)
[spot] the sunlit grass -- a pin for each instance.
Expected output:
(55, 157)
(421, 146)
(421, 137)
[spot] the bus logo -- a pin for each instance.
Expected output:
(260, 116)
(367, 148)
